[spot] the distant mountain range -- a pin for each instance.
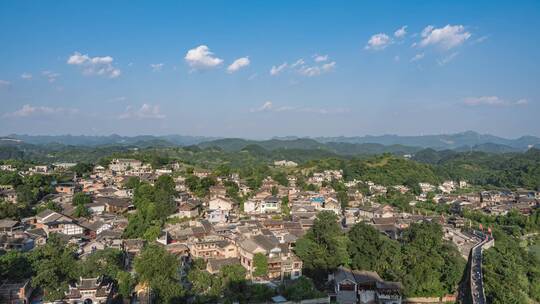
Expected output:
(85, 140)
(466, 141)
(237, 144)
(440, 142)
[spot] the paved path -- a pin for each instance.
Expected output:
(476, 276)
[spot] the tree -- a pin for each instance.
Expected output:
(301, 289)
(13, 211)
(260, 262)
(152, 232)
(48, 205)
(222, 170)
(160, 270)
(343, 199)
(232, 190)
(285, 209)
(133, 182)
(81, 211)
(25, 194)
(511, 273)
(323, 248)
(107, 262)
(165, 183)
(431, 266)
(154, 204)
(55, 267)
(370, 250)
(10, 178)
(281, 178)
(233, 273)
(274, 190)
(15, 265)
(230, 282)
(82, 168)
(202, 282)
(126, 283)
(81, 198)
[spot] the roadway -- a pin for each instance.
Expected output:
(476, 276)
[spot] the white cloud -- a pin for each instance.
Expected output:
(156, 67)
(318, 67)
(481, 39)
(327, 67)
(446, 37)
(299, 62)
(101, 66)
(26, 76)
(417, 57)
(320, 58)
(4, 83)
(492, 101)
(51, 76)
(146, 111)
(202, 57)
(238, 64)
(401, 32)
(447, 59)
(378, 42)
(275, 70)
(268, 106)
(29, 110)
(311, 71)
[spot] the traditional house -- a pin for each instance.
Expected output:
(121, 165)
(221, 203)
(356, 286)
(43, 169)
(214, 266)
(188, 209)
(114, 204)
(91, 290)
(212, 247)
(217, 216)
(9, 227)
(282, 263)
(217, 191)
(54, 222)
(16, 292)
(21, 242)
(66, 188)
(271, 204)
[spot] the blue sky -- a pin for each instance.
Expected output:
(269, 68)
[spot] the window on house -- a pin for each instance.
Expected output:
(346, 286)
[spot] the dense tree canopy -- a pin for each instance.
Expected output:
(301, 289)
(160, 270)
(154, 204)
(511, 272)
(369, 249)
(324, 247)
(55, 267)
(427, 265)
(431, 266)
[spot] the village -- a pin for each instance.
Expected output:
(221, 230)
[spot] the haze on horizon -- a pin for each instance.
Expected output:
(261, 69)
